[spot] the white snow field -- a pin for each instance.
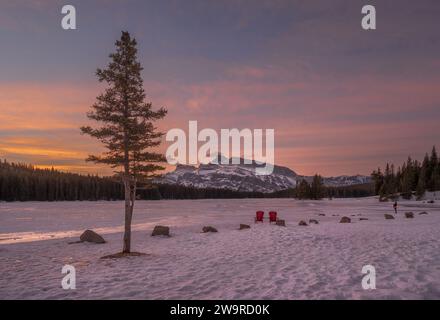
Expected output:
(321, 261)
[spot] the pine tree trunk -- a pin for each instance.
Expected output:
(130, 197)
(128, 216)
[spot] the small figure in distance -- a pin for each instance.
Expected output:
(395, 206)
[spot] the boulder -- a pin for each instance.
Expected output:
(431, 201)
(244, 226)
(363, 219)
(209, 229)
(409, 215)
(322, 214)
(281, 223)
(302, 223)
(313, 221)
(91, 236)
(345, 220)
(389, 216)
(161, 231)
(424, 212)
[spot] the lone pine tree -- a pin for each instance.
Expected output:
(126, 125)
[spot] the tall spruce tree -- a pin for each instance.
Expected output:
(421, 184)
(126, 125)
(317, 187)
(433, 171)
(435, 179)
(302, 190)
(378, 180)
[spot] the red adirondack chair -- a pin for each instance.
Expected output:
(272, 216)
(259, 216)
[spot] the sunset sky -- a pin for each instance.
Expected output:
(341, 100)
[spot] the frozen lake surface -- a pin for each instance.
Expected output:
(321, 261)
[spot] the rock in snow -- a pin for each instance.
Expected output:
(389, 216)
(313, 221)
(345, 220)
(244, 226)
(161, 231)
(91, 236)
(302, 223)
(209, 229)
(281, 223)
(409, 215)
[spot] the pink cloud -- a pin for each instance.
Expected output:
(348, 127)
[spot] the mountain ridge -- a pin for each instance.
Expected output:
(242, 177)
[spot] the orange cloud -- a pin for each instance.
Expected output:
(32, 106)
(350, 127)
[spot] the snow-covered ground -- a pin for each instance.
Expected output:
(265, 262)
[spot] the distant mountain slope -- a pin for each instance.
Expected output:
(242, 177)
(342, 181)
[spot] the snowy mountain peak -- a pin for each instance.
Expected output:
(242, 177)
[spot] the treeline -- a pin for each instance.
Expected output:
(316, 190)
(21, 182)
(413, 177)
(355, 191)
